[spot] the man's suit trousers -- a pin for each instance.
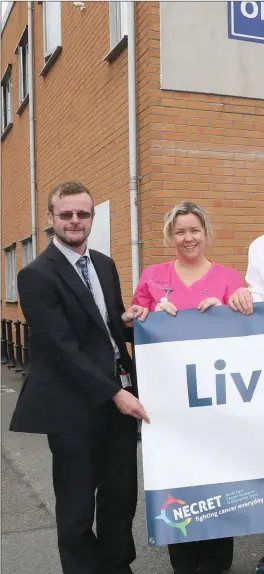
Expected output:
(96, 470)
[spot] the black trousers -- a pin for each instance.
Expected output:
(190, 555)
(96, 469)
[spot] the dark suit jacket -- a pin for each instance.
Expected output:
(71, 375)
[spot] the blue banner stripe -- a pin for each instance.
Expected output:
(191, 325)
(201, 512)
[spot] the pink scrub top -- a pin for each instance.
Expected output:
(219, 281)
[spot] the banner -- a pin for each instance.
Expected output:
(201, 381)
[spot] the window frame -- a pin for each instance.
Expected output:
(49, 231)
(118, 28)
(6, 107)
(23, 74)
(49, 53)
(25, 244)
(10, 274)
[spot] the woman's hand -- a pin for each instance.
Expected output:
(166, 306)
(242, 301)
(134, 312)
(209, 302)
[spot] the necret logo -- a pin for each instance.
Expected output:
(176, 513)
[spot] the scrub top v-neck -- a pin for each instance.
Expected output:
(159, 279)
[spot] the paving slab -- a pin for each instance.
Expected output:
(22, 508)
(30, 552)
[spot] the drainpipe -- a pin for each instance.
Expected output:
(32, 130)
(132, 119)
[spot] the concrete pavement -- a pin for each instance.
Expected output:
(28, 525)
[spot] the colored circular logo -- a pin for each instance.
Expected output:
(174, 524)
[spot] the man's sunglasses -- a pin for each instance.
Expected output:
(67, 215)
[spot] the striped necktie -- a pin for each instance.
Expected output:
(82, 263)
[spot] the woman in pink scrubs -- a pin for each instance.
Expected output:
(190, 280)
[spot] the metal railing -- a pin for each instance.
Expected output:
(15, 350)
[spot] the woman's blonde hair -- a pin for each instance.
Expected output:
(184, 208)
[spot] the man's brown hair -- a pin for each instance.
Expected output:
(68, 188)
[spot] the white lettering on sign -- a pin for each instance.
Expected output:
(253, 11)
(197, 507)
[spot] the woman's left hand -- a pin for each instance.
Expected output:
(209, 302)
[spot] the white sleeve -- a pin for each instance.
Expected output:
(254, 276)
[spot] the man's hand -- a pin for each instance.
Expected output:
(134, 312)
(209, 302)
(166, 306)
(242, 301)
(130, 405)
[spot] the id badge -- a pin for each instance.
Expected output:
(125, 380)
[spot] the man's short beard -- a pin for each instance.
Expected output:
(71, 242)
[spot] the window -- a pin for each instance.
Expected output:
(51, 27)
(11, 282)
(22, 51)
(118, 21)
(6, 86)
(27, 254)
(49, 233)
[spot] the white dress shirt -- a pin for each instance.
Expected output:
(255, 271)
(97, 292)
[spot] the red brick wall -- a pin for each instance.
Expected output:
(81, 128)
(209, 149)
(205, 148)
(16, 214)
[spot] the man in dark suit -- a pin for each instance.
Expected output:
(80, 386)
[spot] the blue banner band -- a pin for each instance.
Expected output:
(205, 512)
(187, 326)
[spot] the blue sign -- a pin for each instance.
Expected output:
(204, 512)
(246, 21)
